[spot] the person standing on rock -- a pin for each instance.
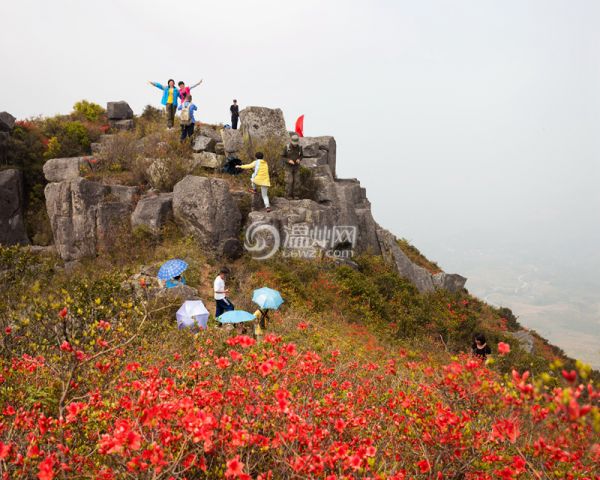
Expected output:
(292, 157)
(186, 118)
(223, 303)
(235, 114)
(169, 99)
(260, 177)
(185, 91)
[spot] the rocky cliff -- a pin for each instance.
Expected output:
(332, 216)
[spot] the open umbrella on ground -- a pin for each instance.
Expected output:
(267, 298)
(191, 314)
(236, 316)
(171, 269)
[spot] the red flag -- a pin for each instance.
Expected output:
(300, 126)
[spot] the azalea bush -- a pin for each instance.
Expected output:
(242, 410)
(96, 382)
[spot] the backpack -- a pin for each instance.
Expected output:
(186, 116)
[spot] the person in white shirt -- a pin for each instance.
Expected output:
(223, 303)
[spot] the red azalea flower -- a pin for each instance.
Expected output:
(569, 376)
(235, 468)
(63, 312)
(503, 348)
(424, 466)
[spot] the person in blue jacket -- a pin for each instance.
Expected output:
(186, 119)
(169, 99)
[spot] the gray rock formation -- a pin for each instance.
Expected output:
(208, 160)
(12, 228)
(261, 125)
(7, 122)
(121, 125)
(203, 144)
(153, 212)
(208, 131)
(394, 255)
(327, 151)
(85, 216)
(205, 208)
(423, 279)
(452, 282)
(60, 169)
(233, 141)
(118, 111)
(525, 339)
(124, 194)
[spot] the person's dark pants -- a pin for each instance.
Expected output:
(170, 109)
(187, 131)
(292, 173)
(223, 306)
(234, 122)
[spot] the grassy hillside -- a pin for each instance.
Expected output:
(360, 377)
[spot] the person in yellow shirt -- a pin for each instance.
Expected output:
(260, 177)
(169, 99)
(260, 325)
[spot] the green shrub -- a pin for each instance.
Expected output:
(89, 110)
(67, 138)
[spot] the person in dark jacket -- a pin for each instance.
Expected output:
(480, 347)
(292, 157)
(235, 114)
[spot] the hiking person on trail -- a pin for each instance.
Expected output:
(235, 114)
(186, 118)
(480, 348)
(223, 303)
(293, 155)
(260, 177)
(185, 91)
(169, 99)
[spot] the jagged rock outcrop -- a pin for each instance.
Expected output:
(86, 217)
(307, 228)
(333, 217)
(118, 111)
(525, 339)
(7, 122)
(264, 125)
(207, 160)
(120, 115)
(208, 131)
(153, 212)
(319, 151)
(203, 143)
(61, 169)
(233, 141)
(423, 279)
(205, 208)
(12, 228)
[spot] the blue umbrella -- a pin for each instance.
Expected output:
(171, 269)
(267, 298)
(236, 316)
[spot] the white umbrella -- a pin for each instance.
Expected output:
(192, 313)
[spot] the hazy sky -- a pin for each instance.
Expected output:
(469, 122)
